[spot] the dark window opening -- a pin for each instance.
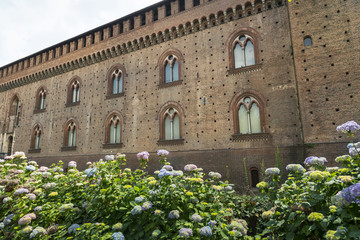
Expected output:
(111, 32)
(84, 42)
(92, 38)
(254, 177)
(196, 3)
(142, 19)
(131, 23)
(10, 142)
(121, 27)
(181, 5)
(155, 15)
(101, 35)
(168, 9)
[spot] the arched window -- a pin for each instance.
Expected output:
(171, 122)
(244, 54)
(36, 137)
(73, 97)
(255, 179)
(171, 69)
(170, 65)
(115, 78)
(42, 96)
(70, 134)
(114, 130)
(14, 108)
(249, 116)
(307, 41)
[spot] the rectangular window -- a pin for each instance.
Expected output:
(168, 9)
(155, 15)
(181, 5)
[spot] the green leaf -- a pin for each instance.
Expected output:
(290, 236)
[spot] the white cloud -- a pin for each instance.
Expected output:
(30, 26)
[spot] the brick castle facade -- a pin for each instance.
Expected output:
(212, 81)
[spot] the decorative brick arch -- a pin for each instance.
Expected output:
(109, 79)
(234, 108)
(255, 38)
(161, 64)
(162, 115)
(107, 125)
(69, 89)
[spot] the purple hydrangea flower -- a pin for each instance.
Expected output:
(19, 171)
(212, 223)
(21, 191)
(272, 172)
(178, 173)
(351, 193)
(43, 169)
(143, 155)
(228, 188)
(24, 220)
(190, 167)
(139, 199)
(136, 210)
(72, 164)
(5, 200)
(31, 196)
(185, 232)
(353, 151)
(206, 231)
(348, 127)
(162, 153)
(196, 218)
(174, 214)
(338, 200)
(168, 167)
(38, 209)
(146, 205)
(109, 157)
(315, 161)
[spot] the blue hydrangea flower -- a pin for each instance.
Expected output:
(348, 127)
(196, 217)
(146, 205)
(178, 173)
(72, 228)
(38, 209)
(272, 172)
(212, 223)
(36, 231)
(5, 200)
(30, 168)
(315, 161)
(174, 214)
(153, 192)
(351, 193)
(139, 199)
(163, 172)
(8, 219)
(118, 236)
(206, 231)
(90, 172)
(295, 168)
(136, 210)
(185, 232)
(338, 200)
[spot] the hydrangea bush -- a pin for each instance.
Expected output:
(109, 201)
(316, 202)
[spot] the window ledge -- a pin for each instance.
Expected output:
(251, 137)
(114, 95)
(39, 110)
(112, 145)
(33, 150)
(170, 142)
(170, 84)
(251, 68)
(65, 149)
(72, 104)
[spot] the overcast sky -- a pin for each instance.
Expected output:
(28, 26)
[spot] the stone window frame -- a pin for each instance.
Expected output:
(230, 44)
(38, 108)
(69, 99)
(66, 135)
(107, 144)
(37, 129)
(161, 117)
(234, 108)
(161, 65)
(109, 79)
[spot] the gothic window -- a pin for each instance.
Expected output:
(14, 108)
(307, 41)
(70, 134)
(244, 54)
(73, 96)
(42, 99)
(171, 123)
(249, 116)
(171, 69)
(170, 65)
(36, 137)
(114, 130)
(115, 78)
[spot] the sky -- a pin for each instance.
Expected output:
(29, 26)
